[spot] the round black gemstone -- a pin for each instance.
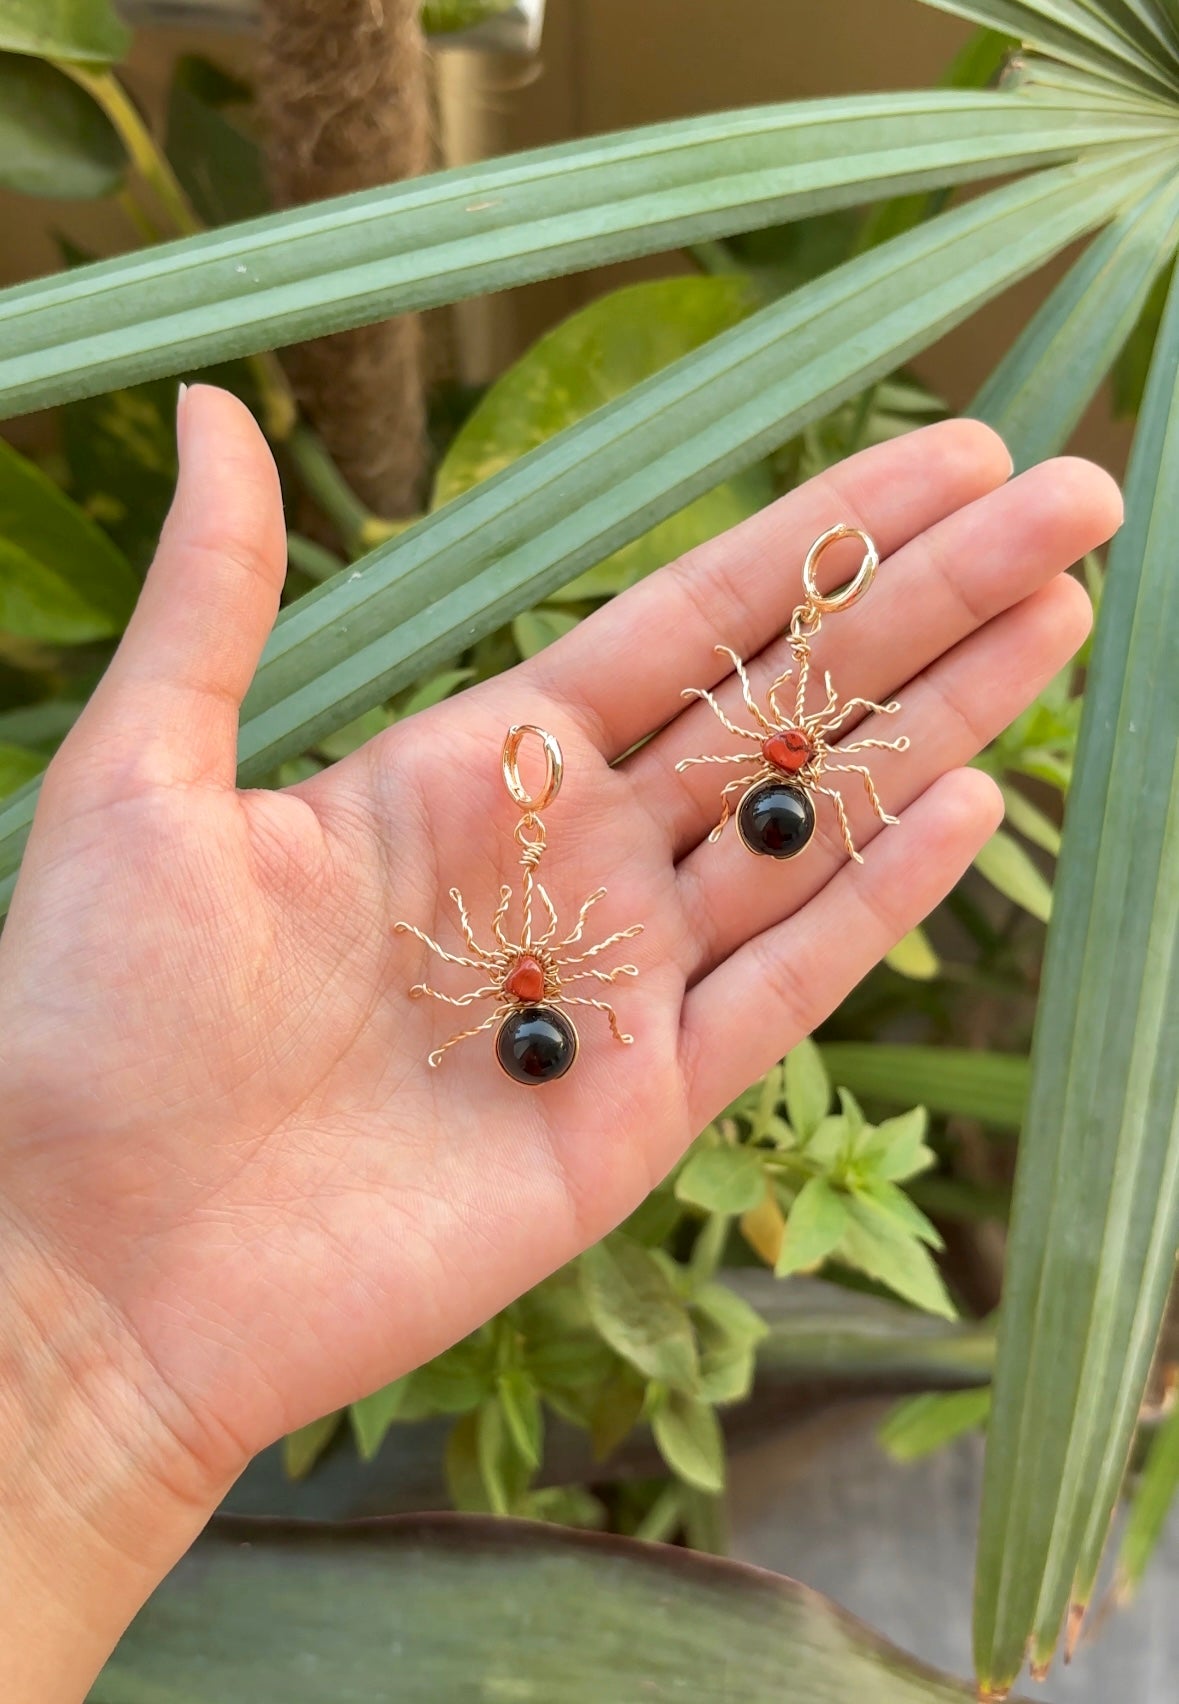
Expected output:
(776, 820)
(536, 1044)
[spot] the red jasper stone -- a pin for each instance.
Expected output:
(788, 751)
(525, 980)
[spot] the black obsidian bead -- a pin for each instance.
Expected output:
(776, 820)
(536, 1044)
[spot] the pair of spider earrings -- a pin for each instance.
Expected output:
(529, 979)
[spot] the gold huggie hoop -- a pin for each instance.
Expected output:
(856, 587)
(554, 768)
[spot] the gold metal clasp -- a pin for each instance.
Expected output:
(532, 804)
(856, 587)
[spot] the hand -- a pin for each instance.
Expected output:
(237, 1189)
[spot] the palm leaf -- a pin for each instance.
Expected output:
(1039, 391)
(1089, 36)
(1096, 1211)
(503, 546)
(316, 269)
(465, 1608)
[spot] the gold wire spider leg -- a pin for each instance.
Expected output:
(772, 696)
(707, 697)
(836, 798)
(604, 946)
(401, 928)
(551, 930)
(869, 787)
(751, 703)
(497, 921)
(735, 757)
(435, 1058)
(611, 1015)
(736, 786)
(578, 928)
(422, 990)
(867, 705)
(465, 925)
(603, 975)
(901, 744)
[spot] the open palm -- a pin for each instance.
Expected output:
(219, 1115)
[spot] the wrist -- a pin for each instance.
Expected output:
(98, 1494)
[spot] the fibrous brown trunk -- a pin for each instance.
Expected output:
(342, 86)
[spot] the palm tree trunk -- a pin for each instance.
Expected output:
(342, 86)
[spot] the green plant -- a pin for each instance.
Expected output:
(631, 1336)
(738, 396)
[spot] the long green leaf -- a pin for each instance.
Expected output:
(956, 1081)
(1039, 391)
(1096, 1211)
(463, 571)
(316, 269)
(1080, 34)
(464, 1609)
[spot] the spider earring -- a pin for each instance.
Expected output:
(795, 750)
(536, 1040)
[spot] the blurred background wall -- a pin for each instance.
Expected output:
(603, 65)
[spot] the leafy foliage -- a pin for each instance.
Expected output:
(62, 580)
(53, 139)
(83, 30)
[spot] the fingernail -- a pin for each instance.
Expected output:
(181, 393)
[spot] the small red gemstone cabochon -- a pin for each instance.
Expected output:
(525, 980)
(789, 750)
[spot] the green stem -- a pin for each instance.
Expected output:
(713, 258)
(665, 1515)
(312, 559)
(705, 1527)
(137, 216)
(709, 1247)
(324, 481)
(104, 88)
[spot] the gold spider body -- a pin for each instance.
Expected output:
(796, 750)
(528, 976)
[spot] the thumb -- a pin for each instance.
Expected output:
(166, 711)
